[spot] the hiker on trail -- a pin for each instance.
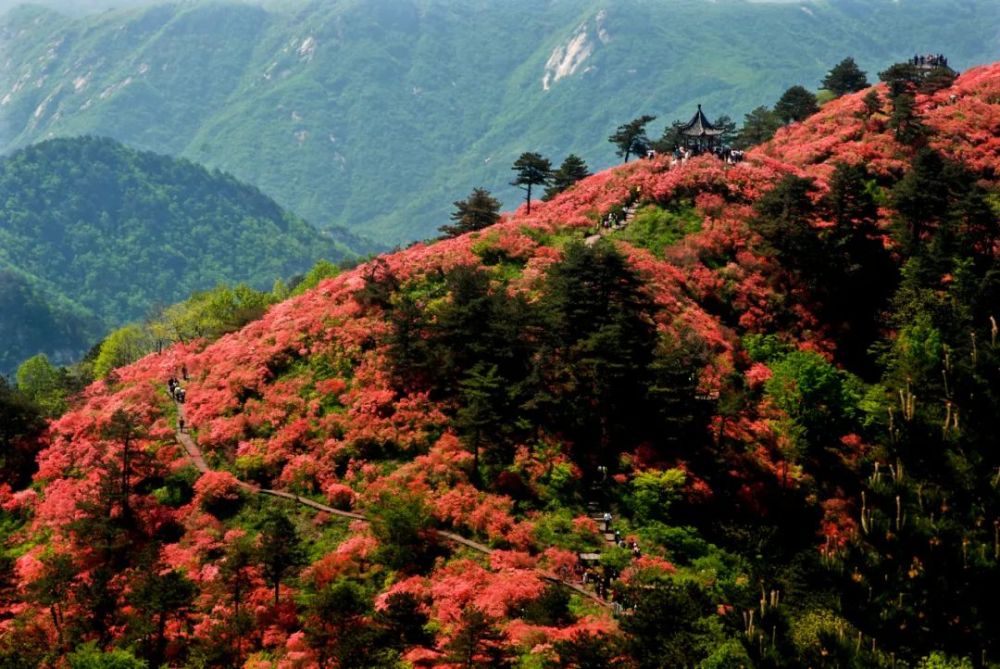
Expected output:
(180, 424)
(184, 372)
(607, 521)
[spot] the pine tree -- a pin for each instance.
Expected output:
(905, 121)
(478, 643)
(796, 104)
(845, 77)
(532, 170)
(900, 78)
(631, 139)
(670, 139)
(728, 128)
(758, 127)
(280, 548)
(480, 210)
(573, 169)
(159, 595)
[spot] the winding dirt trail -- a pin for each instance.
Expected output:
(194, 453)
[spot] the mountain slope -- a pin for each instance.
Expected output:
(377, 115)
(117, 231)
(691, 374)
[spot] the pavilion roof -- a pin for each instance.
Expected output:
(699, 126)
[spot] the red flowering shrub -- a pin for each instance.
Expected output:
(218, 493)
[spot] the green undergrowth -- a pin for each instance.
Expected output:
(655, 228)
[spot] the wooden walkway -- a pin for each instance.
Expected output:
(198, 460)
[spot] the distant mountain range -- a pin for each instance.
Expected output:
(93, 234)
(377, 115)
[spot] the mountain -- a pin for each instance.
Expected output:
(767, 402)
(93, 234)
(377, 115)
(74, 7)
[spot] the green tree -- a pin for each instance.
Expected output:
(125, 428)
(89, 656)
(211, 313)
(900, 78)
(670, 139)
(401, 522)
(905, 121)
(585, 650)
(323, 269)
(159, 596)
(936, 79)
(480, 210)
(483, 395)
(631, 139)
(728, 128)
(338, 627)
(281, 548)
(479, 642)
(666, 629)
(858, 275)
(795, 104)
(52, 590)
(43, 383)
(21, 422)
(236, 575)
(922, 198)
(600, 345)
(573, 169)
(783, 218)
(872, 102)
(653, 492)
(845, 77)
(816, 395)
(122, 347)
(758, 127)
(404, 621)
(531, 170)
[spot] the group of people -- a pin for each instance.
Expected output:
(930, 60)
(631, 545)
(175, 389)
(603, 577)
(612, 220)
(729, 155)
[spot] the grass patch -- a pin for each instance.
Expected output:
(655, 228)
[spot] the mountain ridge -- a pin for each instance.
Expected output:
(116, 231)
(753, 469)
(327, 130)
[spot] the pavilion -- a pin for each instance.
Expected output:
(698, 134)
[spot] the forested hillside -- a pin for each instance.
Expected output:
(93, 234)
(751, 424)
(376, 115)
